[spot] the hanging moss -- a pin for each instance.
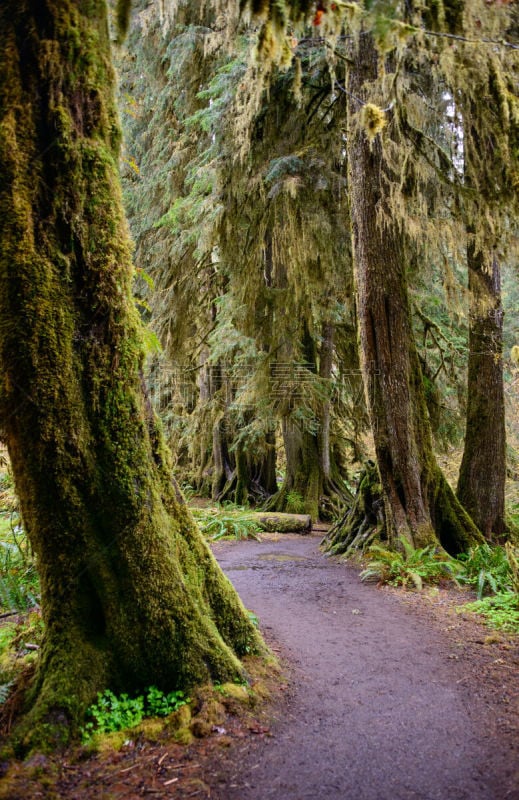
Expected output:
(372, 119)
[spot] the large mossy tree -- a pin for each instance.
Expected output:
(131, 595)
(419, 503)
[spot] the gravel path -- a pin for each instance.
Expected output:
(378, 710)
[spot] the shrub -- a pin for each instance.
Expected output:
(408, 565)
(500, 611)
(231, 522)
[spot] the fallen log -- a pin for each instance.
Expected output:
(273, 522)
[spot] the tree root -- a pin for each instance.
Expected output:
(363, 521)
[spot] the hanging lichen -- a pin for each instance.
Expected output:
(372, 119)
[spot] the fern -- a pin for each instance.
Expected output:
(409, 565)
(488, 569)
(227, 523)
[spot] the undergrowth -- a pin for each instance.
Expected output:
(490, 570)
(114, 713)
(295, 503)
(501, 611)
(408, 565)
(20, 641)
(19, 582)
(227, 522)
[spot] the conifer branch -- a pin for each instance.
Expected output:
(459, 38)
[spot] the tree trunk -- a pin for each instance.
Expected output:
(419, 503)
(131, 594)
(301, 489)
(481, 485)
(265, 477)
(224, 473)
(325, 372)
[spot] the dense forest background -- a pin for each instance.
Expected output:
(237, 192)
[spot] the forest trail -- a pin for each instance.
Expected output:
(382, 707)
(391, 696)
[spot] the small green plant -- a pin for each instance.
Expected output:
(188, 491)
(7, 634)
(512, 520)
(408, 565)
(512, 556)
(487, 569)
(5, 688)
(253, 618)
(159, 704)
(114, 713)
(230, 523)
(19, 581)
(294, 503)
(500, 611)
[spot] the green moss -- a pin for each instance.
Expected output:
(236, 691)
(131, 594)
(180, 718)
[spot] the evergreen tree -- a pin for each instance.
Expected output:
(489, 109)
(280, 256)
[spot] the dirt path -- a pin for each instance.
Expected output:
(392, 696)
(383, 706)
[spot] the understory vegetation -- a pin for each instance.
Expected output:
(112, 713)
(492, 572)
(227, 521)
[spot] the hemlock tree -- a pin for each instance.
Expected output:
(264, 233)
(131, 594)
(287, 252)
(419, 502)
(489, 108)
(178, 76)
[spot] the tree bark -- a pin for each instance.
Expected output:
(131, 594)
(301, 489)
(419, 503)
(481, 484)
(325, 372)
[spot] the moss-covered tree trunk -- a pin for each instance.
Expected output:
(131, 595)
(325, 372)
(419, 503)
(481, 484)
(301, 490)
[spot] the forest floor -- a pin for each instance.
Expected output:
(386, 695)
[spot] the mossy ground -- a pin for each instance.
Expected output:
(157, 750)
